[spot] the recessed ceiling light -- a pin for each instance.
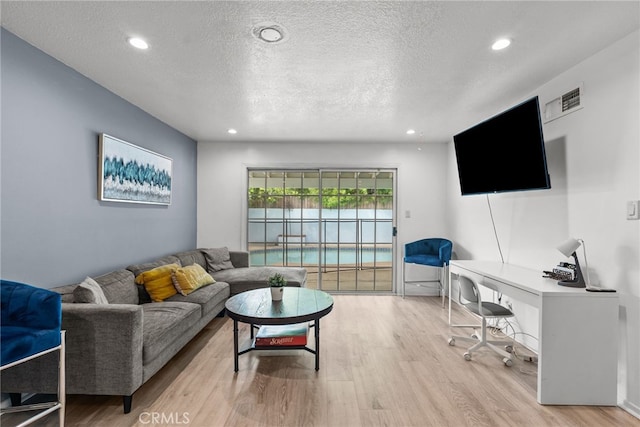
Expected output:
(138, 43)
(411, 132)
(500, 44)
(269, 32)
(232, 131)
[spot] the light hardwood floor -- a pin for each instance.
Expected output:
(384, 362)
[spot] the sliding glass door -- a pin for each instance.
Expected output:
(336, 223)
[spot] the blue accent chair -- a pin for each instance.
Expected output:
(31, 320)
(431, 252)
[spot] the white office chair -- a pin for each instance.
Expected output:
(470, 298)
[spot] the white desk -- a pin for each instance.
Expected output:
(578, 345)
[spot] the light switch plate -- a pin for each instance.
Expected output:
(632, 210)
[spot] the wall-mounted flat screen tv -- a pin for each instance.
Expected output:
(503, 153)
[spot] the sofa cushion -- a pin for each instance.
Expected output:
(89, 291)
(217, 259)
(136, 269)
(208, 297)
(158, 282)
(164, 323)
(248, 278)
(66, 292)
(239, 258)
(119, 287)
(188, 279)
(192, 257)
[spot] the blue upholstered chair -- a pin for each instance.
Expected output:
(30, 327)
(431, 252)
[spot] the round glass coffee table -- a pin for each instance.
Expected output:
(298, 305)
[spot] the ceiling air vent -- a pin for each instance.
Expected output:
(563, 105)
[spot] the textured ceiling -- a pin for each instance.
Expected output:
(345, 71)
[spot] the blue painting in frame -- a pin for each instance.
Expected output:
(132, 174)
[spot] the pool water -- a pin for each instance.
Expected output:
(311, 256)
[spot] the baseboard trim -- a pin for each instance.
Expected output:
(424, 288)
(631, 408)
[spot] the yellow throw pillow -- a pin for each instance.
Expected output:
(158, 282)
(188, 279)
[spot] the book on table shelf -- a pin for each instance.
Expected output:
(282, 335)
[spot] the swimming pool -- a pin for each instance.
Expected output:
(311, 256)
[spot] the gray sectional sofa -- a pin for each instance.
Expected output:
(114, 348)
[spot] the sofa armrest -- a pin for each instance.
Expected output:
(104, 348)
(103, 353)
(239, 259)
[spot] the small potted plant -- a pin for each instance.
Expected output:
(277, 283)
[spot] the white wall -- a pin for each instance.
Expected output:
(222, 182)
(594, 157)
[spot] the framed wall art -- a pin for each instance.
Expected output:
(132, 174)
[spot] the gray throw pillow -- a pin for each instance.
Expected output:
(89, 291)
(217, 259)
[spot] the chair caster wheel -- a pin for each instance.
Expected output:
(475, 336)
(467, 356)
(507, 362)
(508, 348)
(451, 341)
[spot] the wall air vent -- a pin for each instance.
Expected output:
(564, 104)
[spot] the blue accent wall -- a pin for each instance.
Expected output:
(54, 230)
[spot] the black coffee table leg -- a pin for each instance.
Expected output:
(317, 334)
(235, 345)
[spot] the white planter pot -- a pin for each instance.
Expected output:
(276, 294)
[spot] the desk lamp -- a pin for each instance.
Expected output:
(568, 249)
